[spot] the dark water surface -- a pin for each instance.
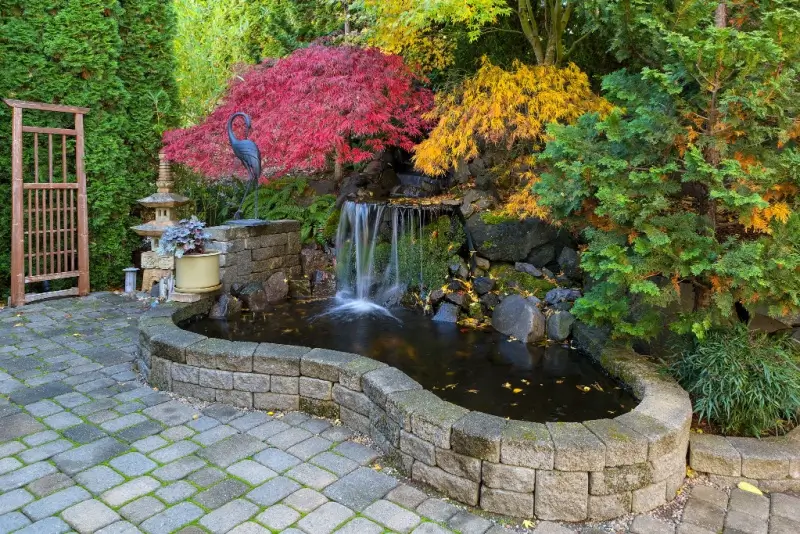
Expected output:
(479, 370)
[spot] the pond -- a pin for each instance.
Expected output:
(480, 370)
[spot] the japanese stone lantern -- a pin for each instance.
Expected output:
(164, 202)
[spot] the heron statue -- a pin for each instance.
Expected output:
(248, 153)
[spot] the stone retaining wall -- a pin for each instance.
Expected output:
(771, 464)
(254, 253)
(556, 471)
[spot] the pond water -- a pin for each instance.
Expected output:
(479, 370)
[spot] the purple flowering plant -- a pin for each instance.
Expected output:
(186, 237)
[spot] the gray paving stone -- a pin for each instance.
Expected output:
(13, 447)
(130, 490)
(218, 433)
(50, 525)
(337, 434)
(782, 525)
(26, 475)
(174, 452)
(178, 469)
(278, 517)
(749, 503)
(171, 413)
(149, 444)
(305, 500)
(13, 500)
(335, 463)
(325, 519)
(120, 527)
(736, 521)
(206, 477)
(172, 519)
(467, 523)
(231, 450)
(360, 488)
(42, 487)
(703, 514)
(18, 425)
(391, 516)
(89, 516)
(357, 452)
(273, 491)
(249, 420)
(406, 496)
(13, 521)
(786, 506)
(9, 464)
(290, 437)
(98, 479)
(249, 528)
(222, 412)
(203, 423)
(222, 493)
(431, 528)
(178, 491)
(46, 391)
(548, 527)
(43, 452)
(72, 400)
(228, 516)
(115, 425)
(41, 437)
(252, 472)
(133, 464)
(141, 509)
(140, 431)
(277, 460)
(55, 503)
(310, 447)
(43, 408)
(437, 510)
(311, 476)
(315, 426)
(84, 433)
(86, 456)
(268, 429)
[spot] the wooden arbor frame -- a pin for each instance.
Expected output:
(49, 223)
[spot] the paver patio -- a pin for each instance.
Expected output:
(85, 447)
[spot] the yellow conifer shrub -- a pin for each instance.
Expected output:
(504, 109)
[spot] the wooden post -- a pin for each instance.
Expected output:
(17, 236)
(83, 220)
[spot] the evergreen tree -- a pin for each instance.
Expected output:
(693, 178)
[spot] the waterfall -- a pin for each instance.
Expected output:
(361, 227)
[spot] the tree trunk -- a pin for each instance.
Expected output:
(346, 17)
(338, 171)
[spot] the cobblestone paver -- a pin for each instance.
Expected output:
(85, 447)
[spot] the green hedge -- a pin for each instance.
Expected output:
(115, 57)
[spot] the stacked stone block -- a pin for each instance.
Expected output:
(254, 253)
(556, 471)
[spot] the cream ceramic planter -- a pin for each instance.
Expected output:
(197, 273)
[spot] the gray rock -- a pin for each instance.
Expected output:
(459, 299)
(528, 268)
(323, 284)
(490, 300)
(555, 296)
(458, 267)
(541, 256)
(482, 263)
(559, 325)
(276, 287)
(510, 240)
(520, 318)
(225, 306)
(569, 262)
(436, 296)
(253, 296)
(448, 313)
(299, 289)
(483, 285)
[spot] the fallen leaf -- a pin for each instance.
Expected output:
(270, 413)
(196, 417)
(559, 381)
(746, 486)
(18, 325)
(527, 523)
(597, 387)
(472, 391)
(516, 390)
(525, 382)
(451, 386)
(584, 388)
(507, 385)
(76, 334)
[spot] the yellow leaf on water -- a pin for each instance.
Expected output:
(516, 390)
(472, 391)
(559, 381)
(525, 382)
(451, 386)
(507, 385)
(597, 387)
(745, 486)
(584, 388)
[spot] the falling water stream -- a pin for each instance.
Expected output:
(361, 289)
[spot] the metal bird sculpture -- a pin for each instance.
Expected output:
(248, 153)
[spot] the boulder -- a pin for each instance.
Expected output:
(570, 262)
(475, 201)
(542, 255)
(554, 296)
(448, 313)
(323, 284)
(459, 298)
(253, 296)
(314, 259)
(436, 296)
(509, 240)
(482, 263)
(482, 285)
(528, 268)
(458, 267)
(490, 300)
(277, 287)
(518, 317)
(559, 325)
(225, 306)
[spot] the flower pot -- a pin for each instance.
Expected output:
(197, 273)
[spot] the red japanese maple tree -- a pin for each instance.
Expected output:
(318, 107)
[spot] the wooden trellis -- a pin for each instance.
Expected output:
(49, 224)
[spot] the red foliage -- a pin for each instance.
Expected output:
(307, 108)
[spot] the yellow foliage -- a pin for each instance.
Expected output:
(503, 108)
(759, 219)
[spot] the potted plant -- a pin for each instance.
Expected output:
(196, 270)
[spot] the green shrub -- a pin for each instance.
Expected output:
(114, 57)
(746, 383)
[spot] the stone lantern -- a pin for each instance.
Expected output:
(164, 202)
